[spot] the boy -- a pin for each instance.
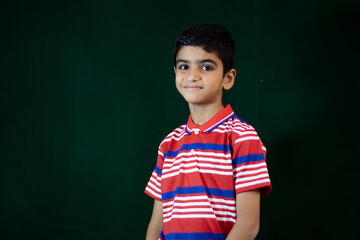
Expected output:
(210, 172)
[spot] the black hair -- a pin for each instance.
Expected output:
(212, 38)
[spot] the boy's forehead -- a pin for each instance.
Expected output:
(196, 53)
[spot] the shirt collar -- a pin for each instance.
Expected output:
(212, 124)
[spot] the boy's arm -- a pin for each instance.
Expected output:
(248, 216)
(156, 222)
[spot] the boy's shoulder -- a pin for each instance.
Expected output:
(175, 134)
(239, 125)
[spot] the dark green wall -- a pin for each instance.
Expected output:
(87, 94)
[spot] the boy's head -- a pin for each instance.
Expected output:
(211, 38)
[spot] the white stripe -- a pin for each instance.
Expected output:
(215, 166)
(221, 131)
(246, 139)
(225, 213)
(244, 173)
(190, 204)
(223, 207)
(218, 162)
(216, 172)
(169, 175)
(236, 131)
(251, 178)
(195, 164)
(188, 210)
(251, 183)
(179, 204)
(200, 166)
(220, 200)
(190, 198)
(196, 170)
(226, 219)
(220, 203)
(247, 166)
(248, 133)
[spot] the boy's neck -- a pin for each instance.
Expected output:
(200, 114)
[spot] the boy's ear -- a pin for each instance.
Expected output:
(229, 79)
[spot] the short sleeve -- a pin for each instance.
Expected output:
(153, 188)
(250, 169)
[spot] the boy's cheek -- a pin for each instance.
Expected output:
(178, 88)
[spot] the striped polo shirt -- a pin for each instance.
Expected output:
(199, 171)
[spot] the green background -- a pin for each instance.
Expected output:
(87, 94)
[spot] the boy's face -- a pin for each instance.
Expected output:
(199, 76)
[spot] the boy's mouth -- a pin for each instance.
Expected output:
(192, 88)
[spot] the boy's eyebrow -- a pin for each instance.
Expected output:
(208, 60)
(181, 60)
(200, 61)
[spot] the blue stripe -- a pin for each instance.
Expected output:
(195, 236)
(158, 170)
(198, 189)
(248, 158)
(199, 146)
(220, 123)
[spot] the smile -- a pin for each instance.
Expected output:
(192, 88)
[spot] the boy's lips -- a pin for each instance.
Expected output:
(192, 88)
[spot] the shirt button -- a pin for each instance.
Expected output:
(192, 151)
(196, 131)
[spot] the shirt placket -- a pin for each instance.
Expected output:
(194, 135)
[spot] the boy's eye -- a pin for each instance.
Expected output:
(207, 68)
(183, 67)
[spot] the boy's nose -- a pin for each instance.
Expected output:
(194, 75)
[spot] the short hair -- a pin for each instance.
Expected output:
(212, 38)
